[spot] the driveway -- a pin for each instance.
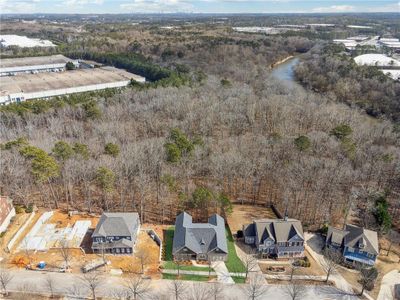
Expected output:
(314, 245)
(387, 285)
(222, 272)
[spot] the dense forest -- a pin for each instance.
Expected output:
(328, 69)
(222, 130)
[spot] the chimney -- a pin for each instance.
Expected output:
(285, 217)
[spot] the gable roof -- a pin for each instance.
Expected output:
(117, 224)
(335, 235)
(279, 230)
(359, 236)
(199, 237)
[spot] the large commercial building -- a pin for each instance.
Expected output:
(33, 65)
(49, 84)
(8, 40)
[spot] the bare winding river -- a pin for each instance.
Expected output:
(285, 72)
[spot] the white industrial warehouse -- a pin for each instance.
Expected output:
(8, 40)
(49, 84)
(388, 65)
(52, 63)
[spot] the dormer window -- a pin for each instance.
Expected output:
(202, 242)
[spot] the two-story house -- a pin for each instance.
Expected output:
(199, 241)
(357, 244)
(116, 233)
(280, 238)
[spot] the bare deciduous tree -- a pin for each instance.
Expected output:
(178, 289)
(144, 257)
(332, 259)
(256, 288)
(199, 292)
(137, 287)
(216, 290)
(295, 290)
(92, 281)
(50, 285)
(5, 279)
(65, 252)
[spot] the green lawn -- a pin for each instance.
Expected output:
(237, 279)
(234, 264)
(168, 258)
(187, 277)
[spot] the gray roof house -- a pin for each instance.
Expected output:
(357, 244)
(280, 238)
(199, 241)
(116, 233)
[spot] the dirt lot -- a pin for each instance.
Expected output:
(245, 214)
(62, 219)
(314, 270)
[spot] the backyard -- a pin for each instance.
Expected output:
(245, 214)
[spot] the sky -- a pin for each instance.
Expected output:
(198, 6)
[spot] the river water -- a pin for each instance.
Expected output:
(285, 72)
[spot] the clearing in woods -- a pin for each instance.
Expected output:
(245, 214)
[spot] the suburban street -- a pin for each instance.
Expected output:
(72, 287)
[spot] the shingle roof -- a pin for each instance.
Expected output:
(335, 235)
(359, 236)
(279, 230)
(117, 224)
(199, 237)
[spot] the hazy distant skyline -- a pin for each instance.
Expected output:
(197, 6)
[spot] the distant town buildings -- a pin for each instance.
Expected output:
(7, 211)
(281, 238)
(357, 244)
(116, 233)
(199, 241)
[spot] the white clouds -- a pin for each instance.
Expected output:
(81, 3)
(165, 6)
(334, 8)
(17, 6)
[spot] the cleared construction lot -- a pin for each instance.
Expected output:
(40, 242)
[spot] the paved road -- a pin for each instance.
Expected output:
(71, 286)
(387, 285)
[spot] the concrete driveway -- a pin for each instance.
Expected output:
(387, 285)
(314, 245)
(222, 272)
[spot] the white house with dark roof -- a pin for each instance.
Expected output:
(199, 241)
(357, 244)
(281, 238)
(116, 233)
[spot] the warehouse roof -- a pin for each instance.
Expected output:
(30, 83)
(34, 61)
(380, 60)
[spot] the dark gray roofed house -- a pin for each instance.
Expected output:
(281, 238)
(356, 243)
(199, 241)
(116, 233)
